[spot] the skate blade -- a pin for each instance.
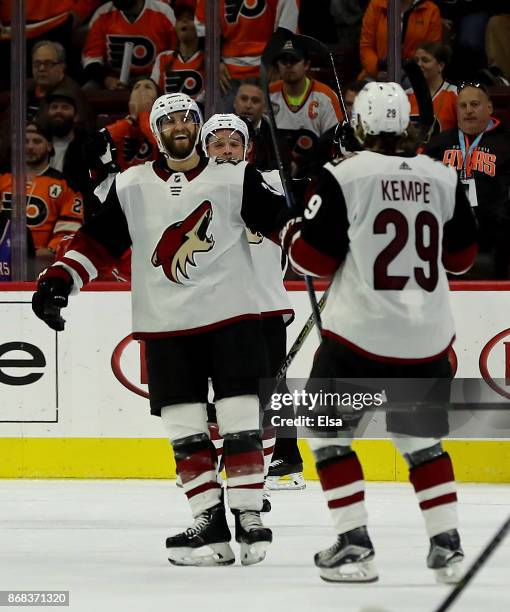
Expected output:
(363, 571)
(296, 482)
(210, 555)
(451, 574)
(253, 553)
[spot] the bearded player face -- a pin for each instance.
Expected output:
(179, 132)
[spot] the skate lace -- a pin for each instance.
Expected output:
(276, 463)
(250, 520)
(198, 525)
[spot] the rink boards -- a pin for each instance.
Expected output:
(75, 404)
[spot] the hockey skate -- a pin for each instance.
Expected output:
(266, 499)
(280, 468)
(206, 542)
(445, 556)
(350, 559)
(252, 535)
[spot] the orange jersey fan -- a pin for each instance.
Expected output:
(151, 33)
(246, 26)
(173, 74)
(54, 210)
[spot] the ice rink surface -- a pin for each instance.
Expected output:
(104, 542)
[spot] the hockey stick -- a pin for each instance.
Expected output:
(423, 98)
(316, 46)
(475, 566)
(299, 341)
(274, 45)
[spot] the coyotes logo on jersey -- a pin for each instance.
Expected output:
(177, 246)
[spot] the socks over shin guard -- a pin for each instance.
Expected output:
(434, 483)
(217, 440)
(344, 488)
(268, 443)
(195, 459)
(244, 465)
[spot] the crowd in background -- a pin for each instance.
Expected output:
(76, 84)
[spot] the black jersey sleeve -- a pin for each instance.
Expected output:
(460, 235)
(322, 243)
(263, 208)
(108, 226)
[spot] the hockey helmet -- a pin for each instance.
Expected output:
(226, 121)
(167, 104)
(380, 108)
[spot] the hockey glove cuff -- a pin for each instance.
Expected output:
(53, 289)
(288, 233)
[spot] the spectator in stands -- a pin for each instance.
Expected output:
(497, 43)
(420, 21)
(480, 151)
(250, 105)
(49, 72)
(68, 138)
(53, 208)
(464, 24)
(148, 24)
(132, 136)
(304, 108)
(432, 58)
(50, 20)
(351, 90)
(245, 31)
(182, 69)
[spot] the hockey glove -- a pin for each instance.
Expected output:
(345, 141)
(288, 232)
(53, 289)
(100, 154)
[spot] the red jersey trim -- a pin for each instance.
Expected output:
(195, 330)
(277, 313)
(382, 358)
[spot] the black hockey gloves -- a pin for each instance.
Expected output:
(100, 154)
(53, 289)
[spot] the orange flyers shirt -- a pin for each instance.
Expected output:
(174, 74)
(444, 102)
(151, 33)
(54, 210)
(246, 26)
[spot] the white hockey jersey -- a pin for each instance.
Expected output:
(302, 127)
(267, 263)
(191, 263)
(386, 218)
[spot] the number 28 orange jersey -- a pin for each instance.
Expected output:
(54, 210)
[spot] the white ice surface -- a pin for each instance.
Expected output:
(104, 542)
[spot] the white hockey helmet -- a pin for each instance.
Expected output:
(380, 107)
(225, 121)
(167, 104)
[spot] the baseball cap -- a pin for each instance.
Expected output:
(290, 48)
(61, 93)
(39, 127)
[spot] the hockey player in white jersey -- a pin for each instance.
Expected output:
(195, 305)
(226, 136)
(386, 225)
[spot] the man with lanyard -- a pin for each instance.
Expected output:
(479, 149)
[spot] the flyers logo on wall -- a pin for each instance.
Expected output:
(494, 363)
(128, 365)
